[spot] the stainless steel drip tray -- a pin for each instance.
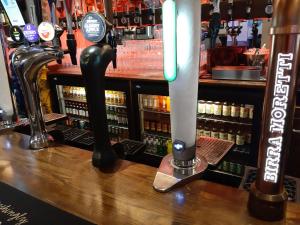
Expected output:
(236, 73)
(209, 151)
(213, 149)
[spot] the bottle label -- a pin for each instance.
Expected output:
(165, 127)
(223, 136)
(217, 110)
(158, 127)
(235, 111)
(231, 137)
(248, 138)
(155, 103)
(226, 110)
(215, 134)
(164, 104)
(251, 113)
(240, 139)
(145, 102)
(150, 102)
(244, 112)
(201, 132)
(201, 108)
(207, 133)
(208, 108)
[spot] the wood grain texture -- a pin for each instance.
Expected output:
(64, 177)
(152, 76)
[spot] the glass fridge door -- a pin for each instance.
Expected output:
(155, 124)
(72, 102)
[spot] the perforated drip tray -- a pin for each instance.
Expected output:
(54, 117)
(212, 149)
(291, 184)
(86, 139)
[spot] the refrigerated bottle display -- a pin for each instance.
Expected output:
(228, 121)
(155, 123)
(72, 102)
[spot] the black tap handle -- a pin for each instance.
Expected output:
(56, 41)
(93, 63)
(114, 61)
(72, 46)
(113, 43)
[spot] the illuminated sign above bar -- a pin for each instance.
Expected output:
(278, 116)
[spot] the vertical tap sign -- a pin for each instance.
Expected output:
(181, 42)
(183, 72)
(267, 199)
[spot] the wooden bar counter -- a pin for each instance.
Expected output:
(64, 177)
(154, 76)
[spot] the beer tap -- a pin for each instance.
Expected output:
(269, 9)
(94, 61)
(71, 41)
(27, 62)
(31, 7)
(181, 69)
(58, 30)
(230, 10)
(112, 41)
(249, 9)
(214, 23)
(268, 197)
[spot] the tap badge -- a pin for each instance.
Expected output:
(93, 27)
(16, 34)
(46, 31)
(30, 32)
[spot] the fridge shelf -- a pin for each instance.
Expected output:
(116, 125)
(74, 116)
(117, 106)
(152, 154)
(74, 99)
(243, 149)
(203, 117)
(154, 111)
(226, 173)
(162, 135)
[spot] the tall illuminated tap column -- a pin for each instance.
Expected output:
(267, 199)
(181, 40)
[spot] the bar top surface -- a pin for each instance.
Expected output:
(65, 178)
(154, 76)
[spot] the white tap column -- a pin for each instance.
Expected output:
(184, 90)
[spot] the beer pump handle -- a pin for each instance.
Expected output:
(113, 43)
(71, 41)
(97, 58)
(58, 30)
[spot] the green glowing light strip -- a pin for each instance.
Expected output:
(169, 13)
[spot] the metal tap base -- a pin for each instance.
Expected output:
(170, 176)
(38, 142)
(265, 206)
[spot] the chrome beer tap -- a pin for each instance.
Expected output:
(27, 62)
